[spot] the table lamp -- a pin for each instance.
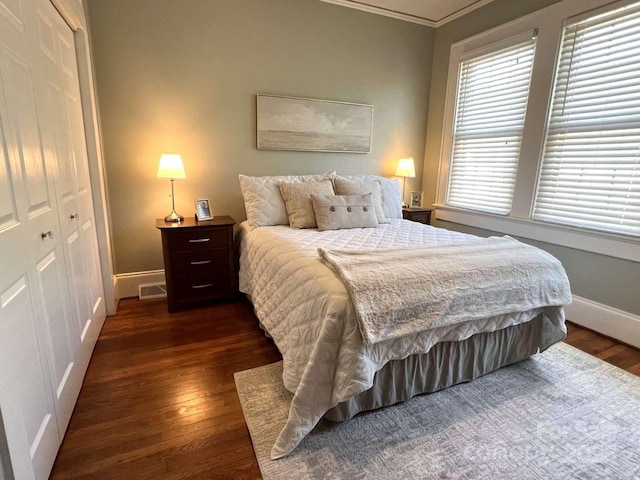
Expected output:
(406, 169)
(171, 168)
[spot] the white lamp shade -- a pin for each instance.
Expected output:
(171, 167)
(406, 168)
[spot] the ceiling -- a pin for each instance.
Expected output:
(432, 13)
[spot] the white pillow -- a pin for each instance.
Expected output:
(336, 212)
(263, 201)
(297, 198)
(391, 193)
(342, 186)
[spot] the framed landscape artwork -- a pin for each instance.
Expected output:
(304, 124)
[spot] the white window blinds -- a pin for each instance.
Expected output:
(590, 175)
(490, 108)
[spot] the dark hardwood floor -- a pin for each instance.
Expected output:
(607, 349)
(159, 399)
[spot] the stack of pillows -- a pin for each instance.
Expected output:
(325, 202)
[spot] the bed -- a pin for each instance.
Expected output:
(303, 304)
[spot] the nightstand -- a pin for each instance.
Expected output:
(199, 260)
(420, 215)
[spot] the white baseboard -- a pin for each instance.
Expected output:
(609, 321)
(126, 284)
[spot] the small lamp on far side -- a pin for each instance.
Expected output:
(171, 168)
(406, 169)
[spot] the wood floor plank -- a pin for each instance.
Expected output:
(159, 399)
(607, 349)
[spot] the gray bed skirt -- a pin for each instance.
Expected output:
(446, 364)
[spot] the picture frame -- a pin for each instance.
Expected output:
(313, 125)
(203, 210)
(415, 200)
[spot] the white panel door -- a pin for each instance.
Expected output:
(27, 409)
(28, 234)
(48, 296)
(73, 185)
(67, 199)
(85, 216)
(73, 196)
(61, 316)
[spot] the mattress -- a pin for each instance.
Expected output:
(306, 309)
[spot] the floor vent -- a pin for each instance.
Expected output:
(148, 291)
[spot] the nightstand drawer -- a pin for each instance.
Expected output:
(203, 287)
(421, 217)
(198, 239)
(198, 262)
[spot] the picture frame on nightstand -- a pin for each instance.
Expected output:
(203, 210)
(415, 200)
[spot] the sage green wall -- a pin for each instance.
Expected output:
(181, 76)
(600, 278)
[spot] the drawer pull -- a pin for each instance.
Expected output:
(201, 262)
(199, 240)
(202, 286)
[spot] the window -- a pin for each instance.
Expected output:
(561, 163)
(590, 175)
(490, 109)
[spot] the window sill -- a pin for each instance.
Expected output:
(617, 246)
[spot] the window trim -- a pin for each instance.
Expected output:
(549, 22)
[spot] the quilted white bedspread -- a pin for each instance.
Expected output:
(306, 309)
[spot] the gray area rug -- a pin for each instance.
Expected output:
(559, 415)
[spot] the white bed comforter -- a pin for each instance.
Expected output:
(306, 309)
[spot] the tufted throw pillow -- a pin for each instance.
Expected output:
(338, 212)
(342, 186)
(263, 201)
(297, 198)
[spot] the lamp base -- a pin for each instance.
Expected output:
(173, 217)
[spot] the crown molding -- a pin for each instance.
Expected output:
(365, 7)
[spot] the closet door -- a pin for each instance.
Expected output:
(49, 296)
(31, 252)
(67, 190)
(63, 116)
(65, 350)
(84, 216)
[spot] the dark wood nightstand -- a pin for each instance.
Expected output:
(199, 261)
(420, 215)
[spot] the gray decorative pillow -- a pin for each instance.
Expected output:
(297, 198)
(336, 212)
(343, 186)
